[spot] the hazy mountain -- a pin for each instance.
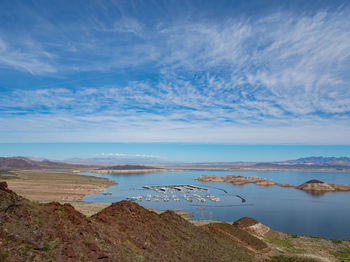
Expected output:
(322, 160)
(107, 161)
(301, 163)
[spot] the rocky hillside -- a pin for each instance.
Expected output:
(315, 185)
(124, 231)
(17, 162)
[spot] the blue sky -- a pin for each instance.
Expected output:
(236, 72)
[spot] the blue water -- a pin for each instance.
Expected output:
(284, 209)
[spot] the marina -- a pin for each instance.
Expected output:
(189, 193)
(176, 188)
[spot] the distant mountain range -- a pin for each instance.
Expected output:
(324, 163)
(322, 160)
(26, 162)
(333, 163)
(108, 161)
(307, 163)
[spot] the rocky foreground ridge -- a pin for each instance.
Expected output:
(123, 231)
(312, 186)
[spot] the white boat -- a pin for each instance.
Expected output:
(156, 198)
(215, 199)
(148, 198)
(198, 197)
(188, 198)
(175, 198)
(139, 198)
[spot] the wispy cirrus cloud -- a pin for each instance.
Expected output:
(32, 59)
(240, 78)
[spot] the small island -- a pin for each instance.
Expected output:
(311, 186)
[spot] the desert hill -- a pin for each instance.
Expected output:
(124, 231)
(20, 162)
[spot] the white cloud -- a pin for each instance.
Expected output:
(125, 24)
(32, 59)
(64, 128)
(278, 79)
(123, 155)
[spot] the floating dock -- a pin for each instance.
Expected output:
(189, 193)
(178, 188)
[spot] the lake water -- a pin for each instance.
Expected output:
(284, 209)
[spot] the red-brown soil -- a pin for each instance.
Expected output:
(124, 231)
(236, 233)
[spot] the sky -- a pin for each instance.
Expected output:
(222, 72)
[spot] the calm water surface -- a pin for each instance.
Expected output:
(284, 209)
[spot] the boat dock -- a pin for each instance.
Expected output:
(176, 188)
(189, 193)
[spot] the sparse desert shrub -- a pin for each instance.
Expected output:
(344, 253)
(282, 258)
(337, 241)
(3, 255)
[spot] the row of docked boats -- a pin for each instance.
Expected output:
(174, 197)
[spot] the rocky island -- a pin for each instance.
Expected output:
(310, 186)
